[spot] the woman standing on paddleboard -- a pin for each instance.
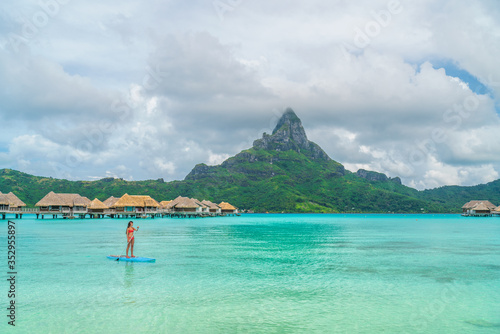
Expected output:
(130, 238)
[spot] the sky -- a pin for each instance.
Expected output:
(146, 90)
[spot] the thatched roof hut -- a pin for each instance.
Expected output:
(11, 200)
(482, 208)
(81, 201)
(201, 204)
(148, 201)
(471, 204)
(227, 207)
(97, 205)
(188, 203)
(63, 200)
(164, 204)
(15, 202)
(478, 207)
(174, 202)
(111, 201)
(211, 206)
(185, 204)
(50, 199)
(125, 201)
(138, 201)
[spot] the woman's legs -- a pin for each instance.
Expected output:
(128, 246)
(132, 249)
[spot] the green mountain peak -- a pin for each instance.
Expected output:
(289, 134)
(274, 155)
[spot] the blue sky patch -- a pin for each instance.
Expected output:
(453, 70)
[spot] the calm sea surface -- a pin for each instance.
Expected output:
(258, 274)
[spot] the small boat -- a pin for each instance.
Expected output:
(130, 259)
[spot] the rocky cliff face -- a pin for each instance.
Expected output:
(200, 171)
(289, 134)
(374, 176)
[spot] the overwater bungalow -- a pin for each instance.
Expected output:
(111, 201)
(129, 204)
(150, 204)
(186, 205)
(10, 203)
(212, 207)
(204, 208)
(496, 212)
(170, 206)
(227, 208)
(478, 208)
(164, 205)
(97, 208)
(66, 204)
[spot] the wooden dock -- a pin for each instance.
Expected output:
(17, 212)
(480, 215)
(82, 214)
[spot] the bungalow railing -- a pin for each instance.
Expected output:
(13, 209)
(30, 210)
(21, 210)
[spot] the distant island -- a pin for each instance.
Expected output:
(282, 172)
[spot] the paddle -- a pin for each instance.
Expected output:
(124, 249)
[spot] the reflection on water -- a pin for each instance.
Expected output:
(128, 275)
(483, 323)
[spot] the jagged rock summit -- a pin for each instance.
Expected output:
(260, 161)
(289, 134)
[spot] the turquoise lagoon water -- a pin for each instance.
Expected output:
(259, 274)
